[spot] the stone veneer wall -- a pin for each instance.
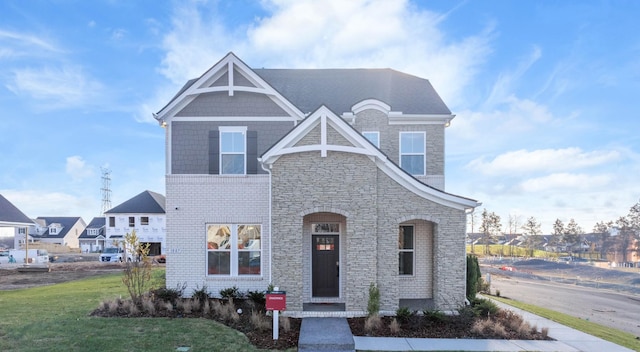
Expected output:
(196, 200)
(374, 205)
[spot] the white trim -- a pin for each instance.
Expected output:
(374, 104)
(234, 118)
(361, 146)
(398, 118)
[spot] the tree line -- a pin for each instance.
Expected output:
(615, 240)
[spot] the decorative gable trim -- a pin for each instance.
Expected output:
(221, 77)
(325, 118)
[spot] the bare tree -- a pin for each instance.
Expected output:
(531, 231)
(490, 227)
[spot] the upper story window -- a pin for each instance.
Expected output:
(373, 137)
(53, 230)
(144, 220)
(232, 150)
(112, 221)
(412, 152)
(132, 221)
(22, 230)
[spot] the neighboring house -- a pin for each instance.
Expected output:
(318, 181)
(92, 239)
(12, 217)
(144, 213)
(62, 230)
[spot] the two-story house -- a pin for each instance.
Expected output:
(318, 181)
(15, 222)
(61, 230)
(144, 213)
(92, 239)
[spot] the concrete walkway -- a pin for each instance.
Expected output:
(333, 334)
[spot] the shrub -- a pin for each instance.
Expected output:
(484, 308)
(403, 314)
(435, 315)
(498, 293)
(545, 332)
(201, 294)
(137, 273)
(148, 306)
(231, 293)
(169, 294)
(256, 297)
(259, 321)
(394, 326)
(473, 273)
(285, 323)
(372, 323)
(373, 305)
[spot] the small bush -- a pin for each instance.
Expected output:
(201, 294)
(256, 297)
(545, 332)
(149, 306)
(231, 293)
(373, 305)
(498, 293)
(169, 294)
(394, 327)
(285, 323)
(435, 315)
(403, 314)
(484, 308)
(206, 307)
(259, 321)
(168, 306)
(372, 323)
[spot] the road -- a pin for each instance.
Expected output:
(613, 309)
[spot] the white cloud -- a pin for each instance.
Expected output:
(565, 182)
(27, 43)
(78, 169)
(35, 203)
(54, 88)
(544, 160)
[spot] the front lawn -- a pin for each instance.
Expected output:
(56, 318)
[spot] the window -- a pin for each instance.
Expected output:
(233, 249)
(144, 220)
(232, 150)
(132, 221)
(22, 230)
(53, 230)
(373, 137)
(112, 221)
(405, 247)
(412, 152)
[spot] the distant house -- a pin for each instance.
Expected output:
(93, 237)
(62, 230)
(144, 213)
(12, 217)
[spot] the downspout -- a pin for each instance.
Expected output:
(268, 170)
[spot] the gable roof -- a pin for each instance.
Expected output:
(11, 216)
(146, 202)
(96, 223)
(300, 91)
(325, 118)
(67, 222)
(340, 89)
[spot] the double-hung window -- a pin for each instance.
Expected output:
(412, 152)
(233, 249)
(233, 150)
(406, 246)
(373, 137)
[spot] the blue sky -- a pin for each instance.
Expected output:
(546, 93)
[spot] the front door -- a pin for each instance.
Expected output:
(325, 261)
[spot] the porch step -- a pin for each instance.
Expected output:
(325, 334)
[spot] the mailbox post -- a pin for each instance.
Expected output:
(276, 301)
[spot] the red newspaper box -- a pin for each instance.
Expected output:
(276, 300)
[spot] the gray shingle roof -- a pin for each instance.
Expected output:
(11, 215)
(96, 223)
(67, 223)
(145, 202)
(340, 89)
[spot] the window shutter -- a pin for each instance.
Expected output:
(214, 152)
(252, 152)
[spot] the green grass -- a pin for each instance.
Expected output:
(56, 318)
(606, 333)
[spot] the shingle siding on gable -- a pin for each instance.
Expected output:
(190, 152)
(240, 104)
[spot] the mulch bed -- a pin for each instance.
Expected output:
(418, 326)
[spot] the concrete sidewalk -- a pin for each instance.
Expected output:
(567, 340)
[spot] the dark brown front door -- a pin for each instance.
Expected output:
(325, 261)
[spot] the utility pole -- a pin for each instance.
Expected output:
(106, 190)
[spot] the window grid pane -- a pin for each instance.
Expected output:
(405, 250)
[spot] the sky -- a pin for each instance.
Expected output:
(546, 93)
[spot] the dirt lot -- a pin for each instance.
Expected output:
(67, 267)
